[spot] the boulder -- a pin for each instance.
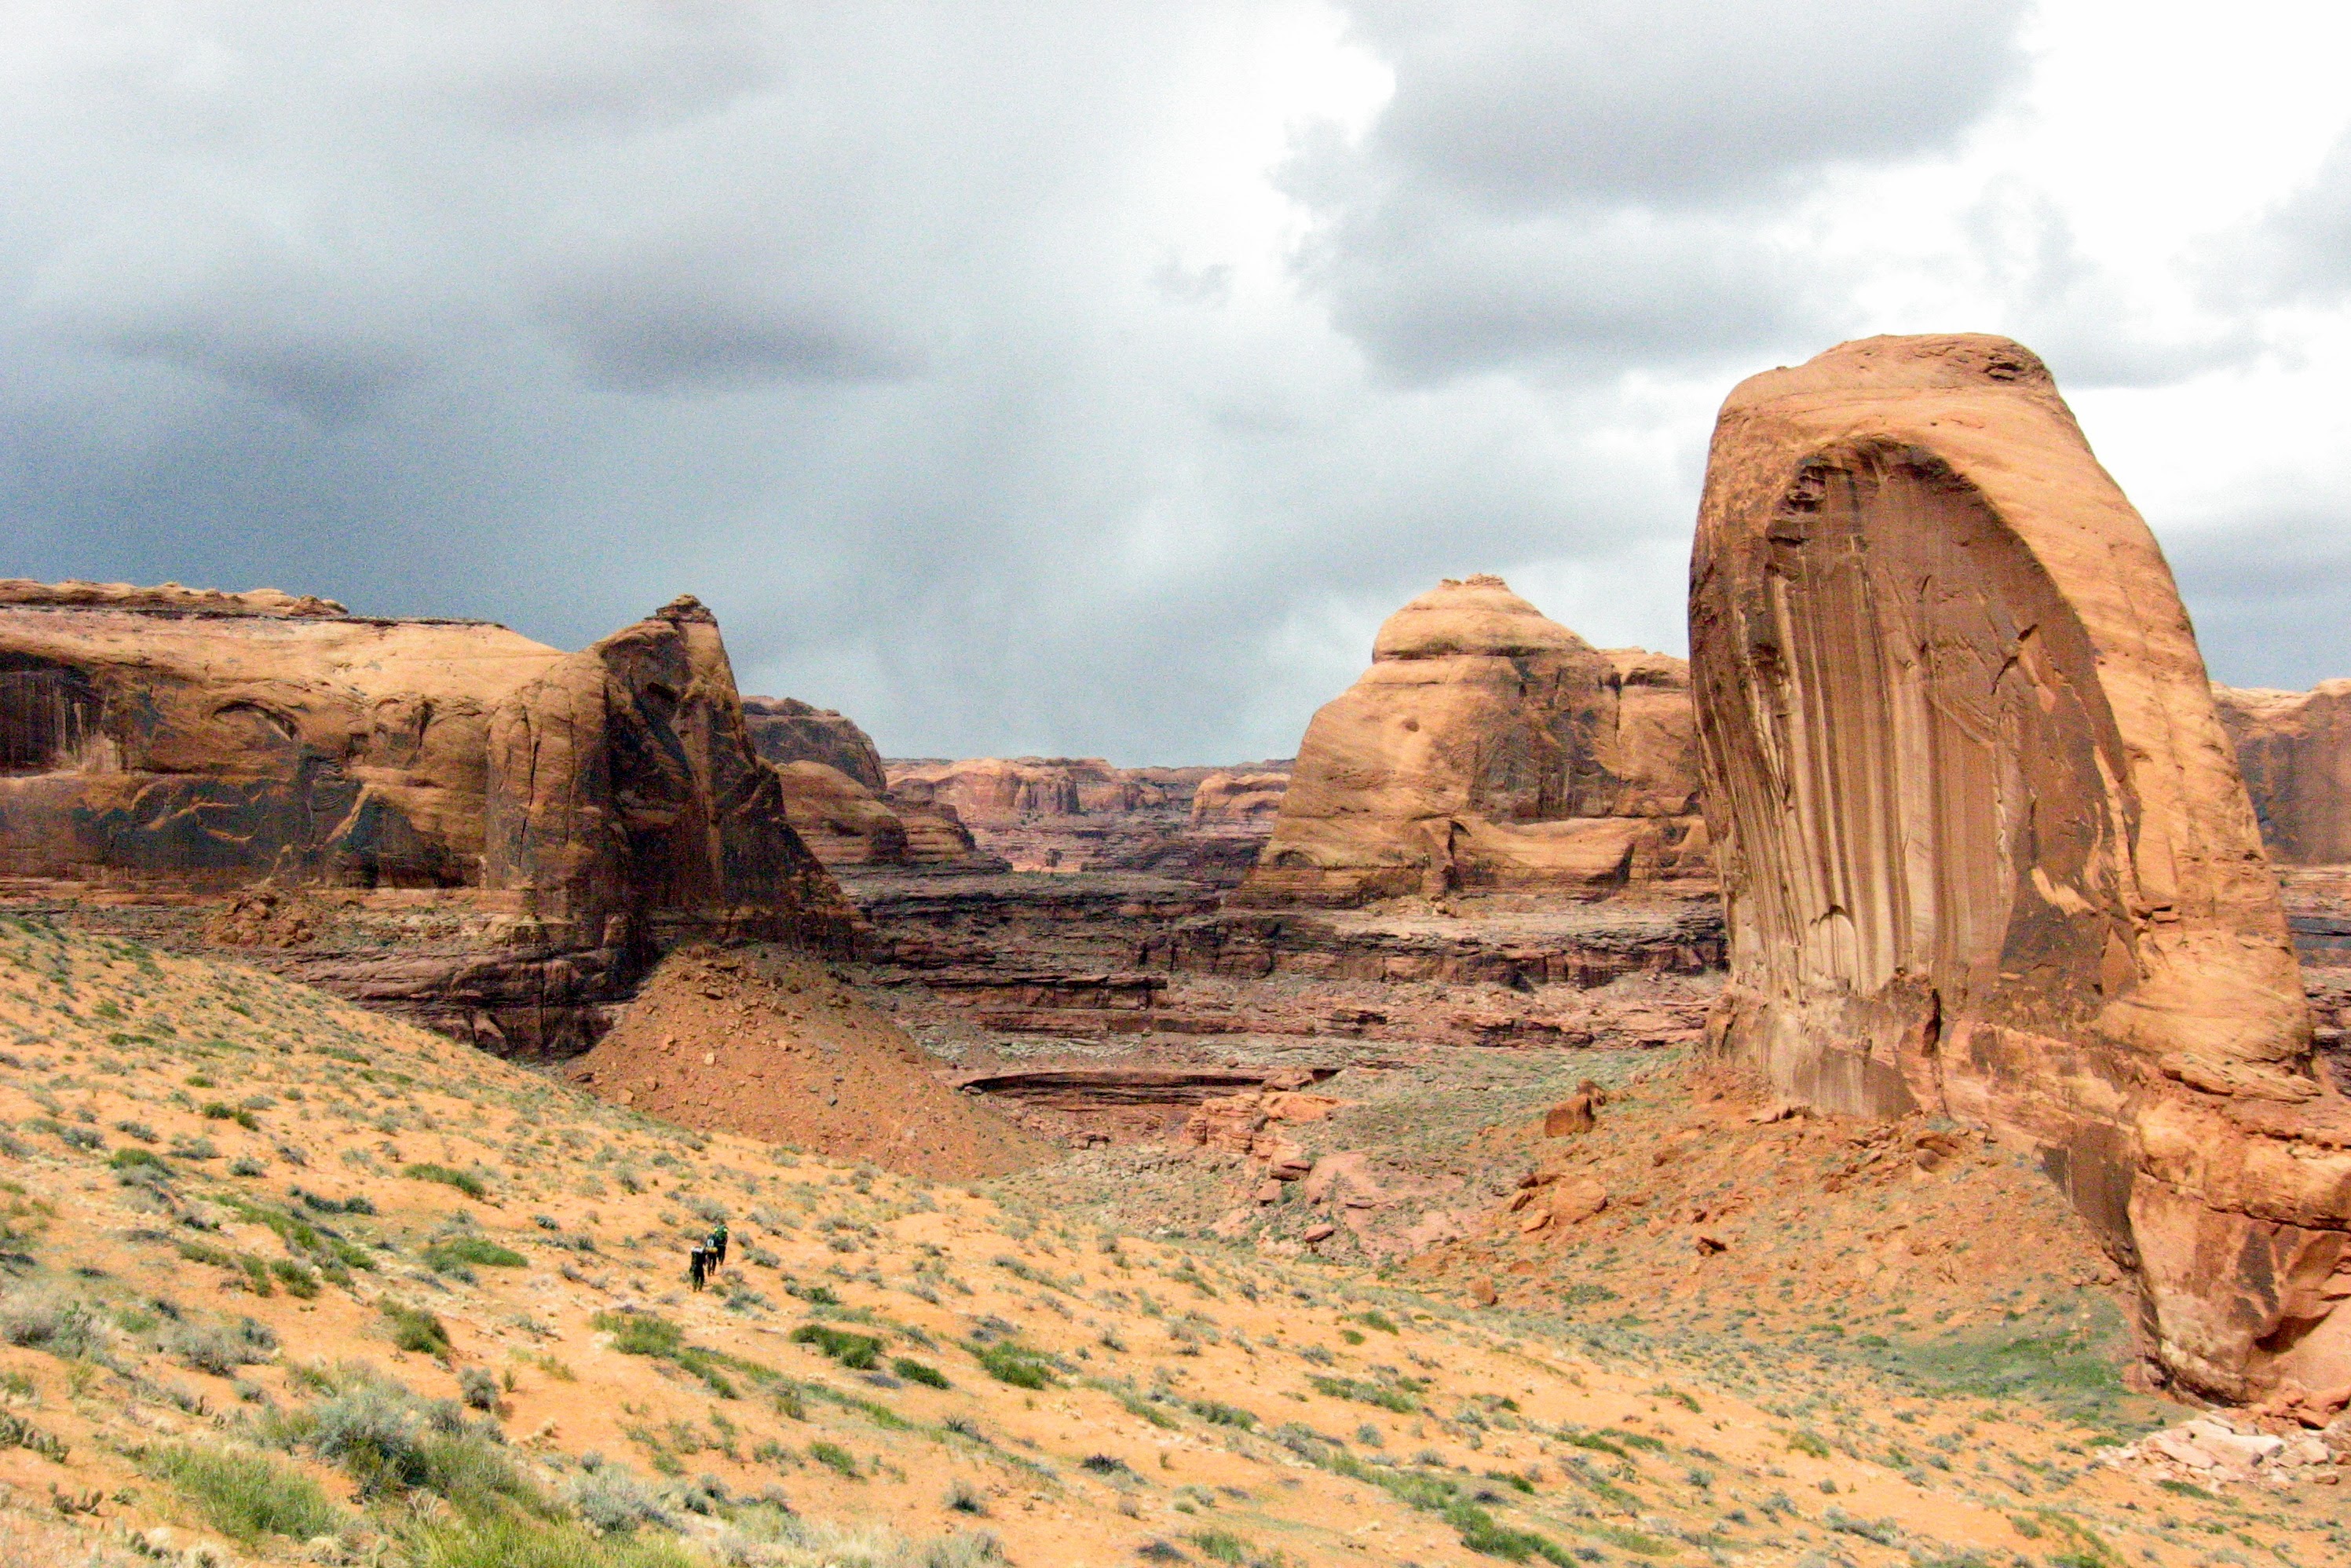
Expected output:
(1488, 748)
(1985, 852)
(1576, 1114)
(2295, 750)
(1576, 1201)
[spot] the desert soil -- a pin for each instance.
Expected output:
(287, 1281)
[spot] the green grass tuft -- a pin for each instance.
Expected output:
(858, 1352)
(1011, 1364)
(464, 1181)
(913, 1371)
(454, 1253)
(415, 1330)
(247, 1495)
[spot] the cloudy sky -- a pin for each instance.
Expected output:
(1092, 378)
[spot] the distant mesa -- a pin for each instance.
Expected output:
(786, 730)
(1985, 850)
(549, 821)
(1242, 801)
(1082, 813)
(1489, 749)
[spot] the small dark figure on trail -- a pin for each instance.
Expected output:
(718, 1246)
(697, 1264)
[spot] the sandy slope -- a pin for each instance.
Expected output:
(759, 1042)
(1220, 1404)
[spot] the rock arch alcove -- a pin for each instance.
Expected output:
(49, 716)
(1984, 846)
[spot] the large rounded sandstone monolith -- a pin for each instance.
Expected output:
(1984, 847)
(1488, 748)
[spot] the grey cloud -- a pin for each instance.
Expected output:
(1594, 186)
(1595, 287)
(1540, 102)
(1209, 284)
(2078, 314)
(2270, 595)
(691, 316)
(2300, 253)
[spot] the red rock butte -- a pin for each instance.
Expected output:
(1984, 845)
(1488, 747)
(568, 815)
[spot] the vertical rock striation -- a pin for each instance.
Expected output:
(623, 782)
(1984, 847)
(1488, 748)
(2294, 748)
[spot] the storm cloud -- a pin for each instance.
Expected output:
(1076, 378)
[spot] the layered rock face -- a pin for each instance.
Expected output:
(785, 730)
(836, 793)
(1066, 814)
(1984, 847)
(571, 813)
(622, 781)
(1244, 802)
(1488, 747)
(2295, 750)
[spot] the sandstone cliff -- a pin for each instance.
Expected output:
(786, 730)
(1065, 813)
(1984, 847)
(567, 815)
(1488, 747)
(837, 793)
(2294, 748)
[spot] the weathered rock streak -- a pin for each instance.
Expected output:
(1984, 846)
(2294, 748)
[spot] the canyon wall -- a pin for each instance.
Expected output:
(1081, 813)
(2294, 748)
(785, 730)
(1984, 847)
(836, 793)
(565, 816)
(1489, 749)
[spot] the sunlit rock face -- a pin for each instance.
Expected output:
(503, 832)
(2295, 751)
(1984, 847)
(1488, 747)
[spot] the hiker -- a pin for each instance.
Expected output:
(697, 1264)
(718, 1246)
